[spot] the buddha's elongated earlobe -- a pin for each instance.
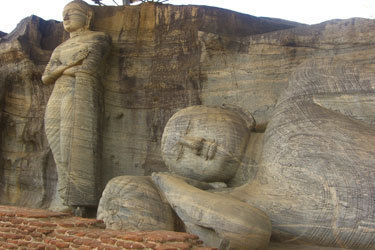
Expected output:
(89, 19)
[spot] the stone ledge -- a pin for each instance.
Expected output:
(26, 228)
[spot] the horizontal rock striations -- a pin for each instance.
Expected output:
(164, 58)
(27, 170)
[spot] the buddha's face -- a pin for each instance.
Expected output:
(74, 18)
(204, 143)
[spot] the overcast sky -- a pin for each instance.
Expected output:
(304, 11)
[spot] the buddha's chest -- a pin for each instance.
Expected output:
(70, 50)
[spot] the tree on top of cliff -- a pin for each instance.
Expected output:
(128, 2)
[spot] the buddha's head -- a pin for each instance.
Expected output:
(205, 143)
(77, 16)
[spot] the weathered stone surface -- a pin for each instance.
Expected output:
(317, 166)
(199, 144)
(220, 221)
(317, 169)
(156, 69)
(278, 246)
(74, 110)
(133, 203)
(27, 170)
(165, 58)
(206, 143)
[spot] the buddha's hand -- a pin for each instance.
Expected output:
(72, 68)
(80, 56)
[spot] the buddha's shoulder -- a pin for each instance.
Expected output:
(97, 35)
(88, 37)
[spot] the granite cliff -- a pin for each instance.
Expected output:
(164, 58)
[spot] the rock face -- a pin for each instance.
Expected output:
(308, 164)
(156, 69)
(164, 58)
(317, 169)
(27, 170)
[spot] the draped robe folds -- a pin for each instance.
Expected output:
(73, 118)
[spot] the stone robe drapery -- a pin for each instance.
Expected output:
(73, 118)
